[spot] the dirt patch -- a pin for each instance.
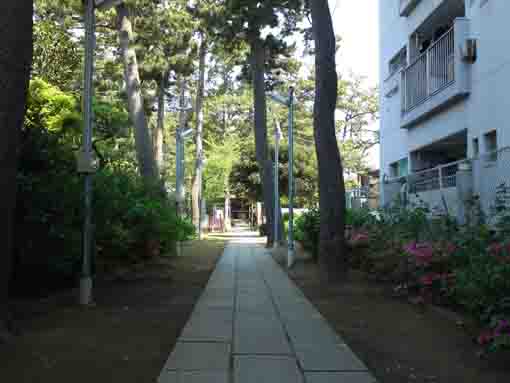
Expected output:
(126, 337)
(399, 342)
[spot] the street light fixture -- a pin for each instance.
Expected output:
(289, 103)
(186, 133)
(279, 99)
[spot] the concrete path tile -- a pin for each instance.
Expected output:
(339, 377)
(266, 369)
(199, 356)
(256, 303)
(193, 377)
(259, 334)
(328, 358)
(307, 332)
(207, 325)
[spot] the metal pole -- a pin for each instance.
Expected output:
(276, 180)
(183, 175)
(87, 246)
(200, 186)
(177, 168)
(290, 252)
(179, 154)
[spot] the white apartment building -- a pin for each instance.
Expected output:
(445, 98)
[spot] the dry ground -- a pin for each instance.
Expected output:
(126, 337)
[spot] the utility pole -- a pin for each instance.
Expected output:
(290, 252)
(277, 137)
(85, 157)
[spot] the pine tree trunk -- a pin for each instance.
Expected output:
(158, 135)
(15, 60)
(332, 251)
(260, 126)
(198, 173)
(143, 142)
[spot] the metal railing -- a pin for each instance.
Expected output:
(429, 73)
(440, 177)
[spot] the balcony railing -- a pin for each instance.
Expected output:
(429, 73)
(438, 178)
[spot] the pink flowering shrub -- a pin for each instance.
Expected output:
(422, 252)
(359, 237)
(430, 274)
(497, 337)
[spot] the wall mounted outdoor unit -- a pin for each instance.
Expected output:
(469, 50)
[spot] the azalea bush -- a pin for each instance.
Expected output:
(483, 288)
(434, 260)
(430, 275)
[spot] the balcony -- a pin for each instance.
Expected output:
(407, 6)
(437, 77)
(431, 72)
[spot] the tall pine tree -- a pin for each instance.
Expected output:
(15, 61)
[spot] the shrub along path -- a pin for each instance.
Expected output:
(253, 325)
(125, 338)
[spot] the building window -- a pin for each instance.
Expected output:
(399, 168)
(399, 61)
(476, 147)
(491, 145)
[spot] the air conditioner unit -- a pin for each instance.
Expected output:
(469, 50)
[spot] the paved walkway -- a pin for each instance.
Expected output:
(253, 325)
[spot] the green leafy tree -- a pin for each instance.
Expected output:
(245, 20)
(57, 55)
(358, 108)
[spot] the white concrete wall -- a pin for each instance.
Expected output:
(485, 109)
(436, 200)
(393, 139)
(489, 103)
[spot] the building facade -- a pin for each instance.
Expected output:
(445, 70)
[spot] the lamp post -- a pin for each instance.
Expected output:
(85, 159)
(290, 252)
(289, 102)
(277, 137)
